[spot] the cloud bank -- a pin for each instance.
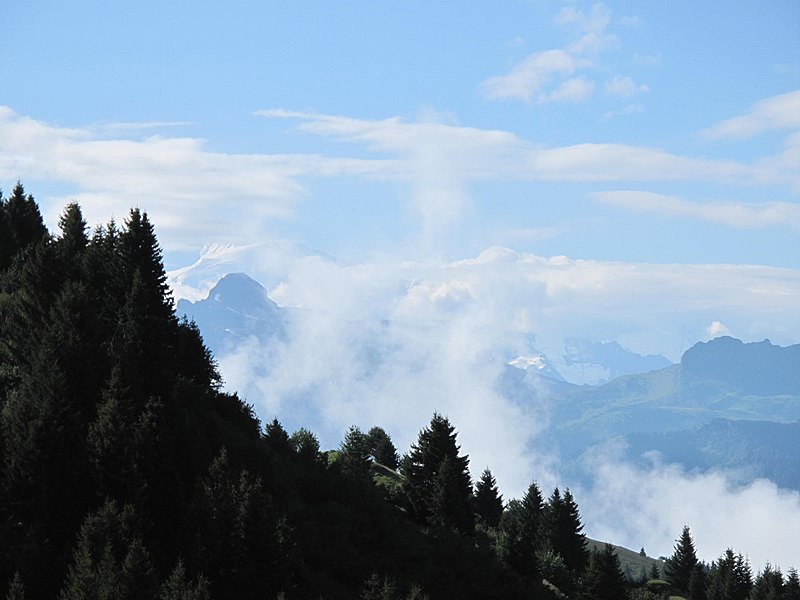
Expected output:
(649, 507)
(388, 342)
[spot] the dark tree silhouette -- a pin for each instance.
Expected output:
(488, 501)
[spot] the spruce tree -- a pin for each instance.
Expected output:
(604, 579)
(768, 584)
(518, 538)
(24, 224)
(420, 470)
(791, 588)
(73, 241)
(354, 453)
(178, 587)
(679, 567)
(563, 531)
(730, 578)
(488, 502)
(110, 561)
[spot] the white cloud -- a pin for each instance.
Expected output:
(595, 21)
(389, 341)
(573, 90)
(229, 196)
(532, 78)
(236, 196)
(528, 78)
(732, 214)
(624, 87)
(474, 155)
(637, 507)
(776, 113)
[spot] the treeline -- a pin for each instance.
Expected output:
(126, 472)
(730, 577)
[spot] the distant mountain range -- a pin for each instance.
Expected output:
(585, 361)
(236, 308)
(727, 404)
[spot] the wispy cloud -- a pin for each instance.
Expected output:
(530, 76)
(732, 214)
(171, 177)
(624, 87)
(548, 76)
(237, 196)
(776, 113)
(577, 89)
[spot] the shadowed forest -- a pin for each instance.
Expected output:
(126, 471)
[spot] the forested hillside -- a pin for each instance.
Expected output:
(126, 472)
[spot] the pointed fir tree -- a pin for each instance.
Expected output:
(697, 583)
(110, 561)
(178, 587)
(681, 564)
(488, 501)
(768, 584)
(563, 531)
(24, 224)
(73, 241)
(518, 539)
(354, 453)
(421, 467)
(276, 438)
(730, 578)
(604, 579)
(791, 588)
(447, 507)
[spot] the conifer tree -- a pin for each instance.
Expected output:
(73, 240)
(24, 224)
(242, 545)
(730, 578)
(110, 561)
(488, 501)
(277, 438)
(768, 584)
(679, 567)
(697, 583)
(421, 468)
(791, 589)
(178, 587)
(563, 531)
(519, 538)
(354, 453)
(604, 578)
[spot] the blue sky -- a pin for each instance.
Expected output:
(547, 75)
(483, 180)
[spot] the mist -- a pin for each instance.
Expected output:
(387, 342)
